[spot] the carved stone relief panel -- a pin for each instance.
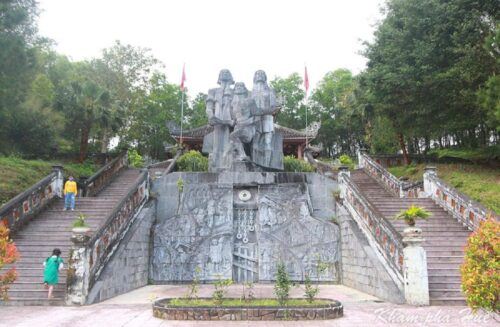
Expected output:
(199, 236)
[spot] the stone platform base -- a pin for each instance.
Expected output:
(324, 312)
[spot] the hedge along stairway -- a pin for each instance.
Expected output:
(444, 236)
(52, 229)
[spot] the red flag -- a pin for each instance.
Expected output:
(183, 79)
(306, 79)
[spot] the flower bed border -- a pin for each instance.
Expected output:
(208, 313)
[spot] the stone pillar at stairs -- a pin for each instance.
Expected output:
(361, 161)
(416, 282)
(59, 182)
(429, 172)
(78, 268)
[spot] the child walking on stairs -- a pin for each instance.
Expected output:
(53, 265)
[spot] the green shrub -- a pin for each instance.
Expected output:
(481, 268)
(282, 285)
(293, 164)
(135, 159)
(221, 286)
(192, 161)
(347, 161)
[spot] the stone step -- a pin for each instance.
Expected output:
(15, 301)
(450, 251)
(448, 265)
(443, 272)
(445, 285)
(442, 259)
(36, 279)
(446, 301)
(36, 293)
(448, 293)
(35, 286)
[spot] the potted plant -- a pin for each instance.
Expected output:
(79, 225)
(413, 213)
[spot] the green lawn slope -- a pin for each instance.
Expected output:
(481, 183)
(16, 175)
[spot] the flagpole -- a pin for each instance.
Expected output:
(182, 113)
(183, 79)
(307, 88)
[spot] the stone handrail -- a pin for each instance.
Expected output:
(396, 186)
(104, 241)
(20, 209)
(467, 211)
(321, 167)
(172, 164)
(380, 233)
(95, 183)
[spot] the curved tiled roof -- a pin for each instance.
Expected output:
(288, 133)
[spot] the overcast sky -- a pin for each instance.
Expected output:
(208, 35)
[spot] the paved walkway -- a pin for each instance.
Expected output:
(134, 309)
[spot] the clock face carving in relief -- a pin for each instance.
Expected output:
(244, 195)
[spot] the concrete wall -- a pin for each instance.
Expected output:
(361, 268)
(128, 268)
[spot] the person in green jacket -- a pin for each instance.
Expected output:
(53, 265)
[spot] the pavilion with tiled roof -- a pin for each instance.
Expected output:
(294, 141)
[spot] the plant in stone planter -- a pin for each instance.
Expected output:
(221, 286)
(282, 285)
(413, 213)
(195, 285)
(80, 221)
(310, 290)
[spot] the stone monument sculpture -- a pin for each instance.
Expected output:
(244, 127)
(218, 109)
(243, 136)
(265, 100)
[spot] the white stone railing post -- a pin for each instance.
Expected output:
(416, 281)
(77, 280)
(361, 158)
(429, 186)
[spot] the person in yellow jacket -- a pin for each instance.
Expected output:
(70, 191)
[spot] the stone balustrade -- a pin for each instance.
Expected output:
(467, 211)
(19, 210)
(399, 188)
(380, 233)
(103, 176)
(89, 255)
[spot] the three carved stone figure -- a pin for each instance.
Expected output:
(243, 137)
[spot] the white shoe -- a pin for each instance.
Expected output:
(72, 209)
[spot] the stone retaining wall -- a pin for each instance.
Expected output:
(128, 269)
(361, 268)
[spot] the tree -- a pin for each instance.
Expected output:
(290, 93)
(18, 35)
(334, 100)
(148, 129)
(196, 114)
(425, 67)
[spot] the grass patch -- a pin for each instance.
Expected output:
(480, 183)
(475, 155)
(17, 175)
(242, 303)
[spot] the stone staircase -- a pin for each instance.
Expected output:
(52, 229)
(444, 236)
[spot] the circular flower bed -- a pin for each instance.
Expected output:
(258, 309)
